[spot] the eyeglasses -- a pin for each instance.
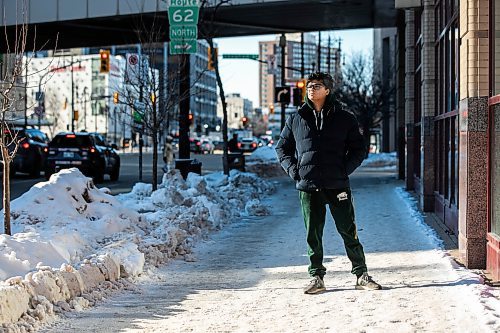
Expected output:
(316, 86)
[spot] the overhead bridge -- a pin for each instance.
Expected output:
(114, 22)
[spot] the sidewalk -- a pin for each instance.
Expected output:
(249, 278)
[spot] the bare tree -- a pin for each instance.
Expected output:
(14, 81)
(208, 30)
(364, 93)
(53, 114)
(153, 99)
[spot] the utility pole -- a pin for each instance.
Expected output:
(141, 92)
(319, 52)
(85, 107)
(302, 69)
(184, 105)
(72, 96)
(283, 48)
(26, 94)
(328, 60)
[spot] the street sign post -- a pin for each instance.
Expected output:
(183, 31)
(39, 110)
(183, 15)
(240, 56)
(182, 47)
(282, 95)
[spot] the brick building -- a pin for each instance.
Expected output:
(449, 63)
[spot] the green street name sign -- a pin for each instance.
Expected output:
(183, 47)
(183, 15)
(138, 116)
(240, 56)
(184, 32)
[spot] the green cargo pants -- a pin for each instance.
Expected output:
(342, 209)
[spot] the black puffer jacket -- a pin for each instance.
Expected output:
(321, 159)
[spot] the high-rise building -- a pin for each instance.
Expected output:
(203, 94)
(237, 108)
(300, 60)
(76, 95)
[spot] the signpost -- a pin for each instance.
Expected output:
(240, 56)
(183, 32)
(182, 47)
(282, 95)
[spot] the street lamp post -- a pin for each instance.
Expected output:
(85, 108)
(283, 105)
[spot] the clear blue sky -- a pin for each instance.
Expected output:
(242, 76)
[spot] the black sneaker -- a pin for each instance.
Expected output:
(315, 286)
(365, 282)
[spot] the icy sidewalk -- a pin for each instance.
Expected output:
(249, 278)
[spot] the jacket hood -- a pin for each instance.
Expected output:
(330, 101)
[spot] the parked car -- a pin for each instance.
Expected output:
(88, 152)
(218, 145)
(195, 146)
(266, 140)
(248, 144)
(31, 153)
(206, 146)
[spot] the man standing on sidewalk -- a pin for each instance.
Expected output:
(319, 147)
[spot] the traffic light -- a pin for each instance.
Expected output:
(75, 115)
(190, 119)
(211, 59)
(244, 120)
(153, 98)
(116, 97)
(271, 109)
(299, 92)
(104, 68)
(297, 97)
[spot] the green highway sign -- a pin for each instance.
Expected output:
(183, 32)
(183, 3)
(240, 56)
(183, 15)
(183, 47)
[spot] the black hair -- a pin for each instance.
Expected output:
(323, 77)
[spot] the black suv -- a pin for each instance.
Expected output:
(86, 151)
(31, 152)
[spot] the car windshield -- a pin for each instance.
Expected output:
(71, 141)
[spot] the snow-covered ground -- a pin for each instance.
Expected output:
(249, 278)
(75, 244)
(381, 161)
(70, 237)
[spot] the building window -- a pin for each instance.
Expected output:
(447, 60)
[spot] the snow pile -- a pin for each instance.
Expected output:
(60, 221)
(386, 161)
(72, 242)
(264, 162)
(180, 212)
